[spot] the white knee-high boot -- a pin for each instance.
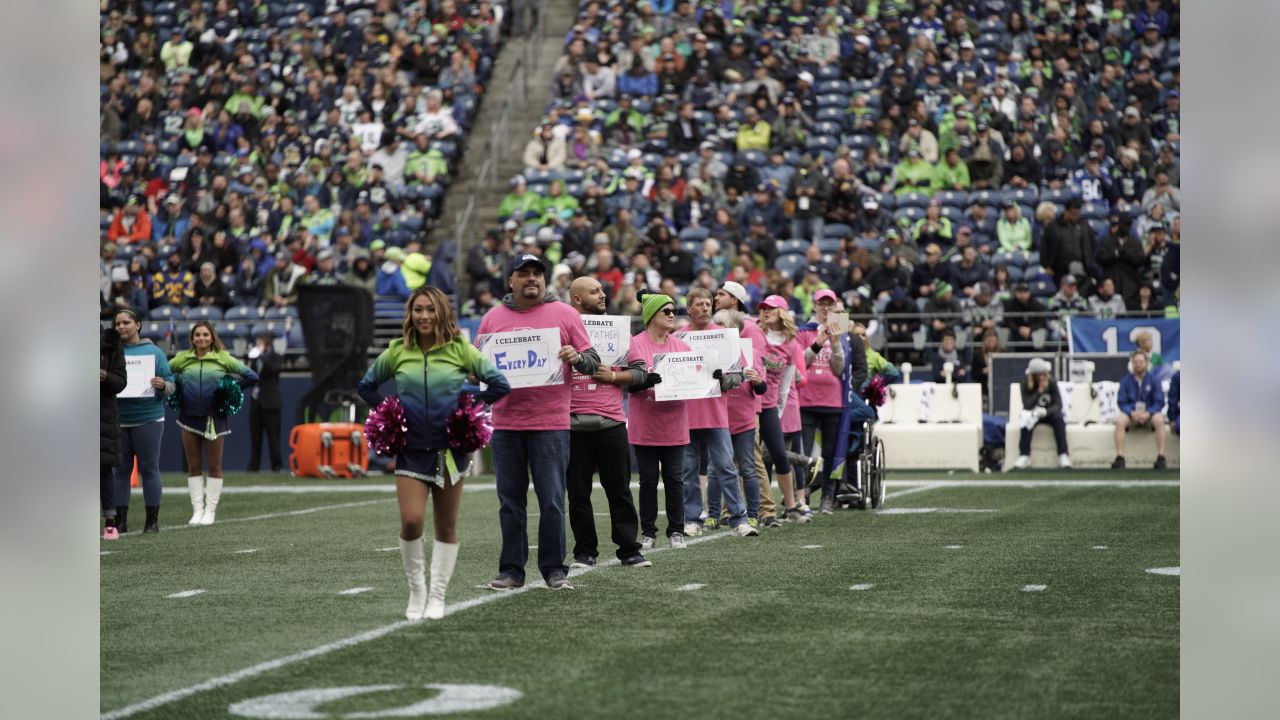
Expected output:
(413, 555)
(212, 492)
(195, 486)
(443, 557)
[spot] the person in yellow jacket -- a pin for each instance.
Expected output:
(415, 268)
(754, 133)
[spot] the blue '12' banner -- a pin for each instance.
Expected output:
(1092, 335)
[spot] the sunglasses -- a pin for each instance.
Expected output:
(667, 311)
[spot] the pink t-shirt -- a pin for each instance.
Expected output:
(589, 396)
(777, 358)
(652, 422)
(823, 386)
(751, 330)
(744, 403)
(536, 408)
(707, 412)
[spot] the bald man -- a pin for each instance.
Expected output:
(598, 442)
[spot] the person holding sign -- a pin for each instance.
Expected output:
(659, 430)
(743, 415)
(825, 346)
(430, 363)
(598, 443)
(531, 426)
(782, 358)
(141, 412)
(709, 433)
(201, 416)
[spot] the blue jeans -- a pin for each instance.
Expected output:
(721, 476)
(546, 454)
(809, 229)
(142, 442)
(744, 455)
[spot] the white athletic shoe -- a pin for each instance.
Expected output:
(745, 530)
(646, 543)
(677, 541)
(1022, 462)
(1064, 461)
(692, 529)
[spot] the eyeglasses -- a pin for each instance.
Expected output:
(667, 311)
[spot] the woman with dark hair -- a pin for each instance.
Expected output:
(141, 425)
(1041, 403)
(111, 380)
(202, 413)
(430, 363)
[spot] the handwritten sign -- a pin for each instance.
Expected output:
(685, 376)
(528, 358)
(721, 347)
(610, 336)
(138, 369)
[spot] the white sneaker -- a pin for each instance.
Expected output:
(692, 529)
(677, 541)
(1064, 461)
(745, 530)
(1022, 462)
(646, 543)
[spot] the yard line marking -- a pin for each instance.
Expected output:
(810, 547)
(1101, 547)
(246, 551)
(690, 587)
(1034, 588)
(952, 547)
(186, 594)
(919, 488)
(1175, 571)
(273, 516)
(318, 488)
(355, 591)
(106, 552)
(1034, 484)
(388, 549)
(265, 667)
(926, 510)
(862, 586)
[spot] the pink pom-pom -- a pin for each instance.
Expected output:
(874, 392)
(386, 430)
(470, 425)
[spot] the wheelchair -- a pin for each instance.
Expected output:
(866, 487)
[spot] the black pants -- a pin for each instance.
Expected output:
(269, 421)
(106, 490)
(826, 421)
(669, 459)
(1059, 434)
(604, 451)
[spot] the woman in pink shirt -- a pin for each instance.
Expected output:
(782, 359)
(821, 397)
(659, 431)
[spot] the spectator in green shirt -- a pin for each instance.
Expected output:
(951, 173)
(1013, 232)
(754, 133)
(912, 174)
(520, 200)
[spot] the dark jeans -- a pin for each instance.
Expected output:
(606, 451)
(142, 442)
(259, 421)
(721, 476)
(515, 454)
(669, 459)
(826, 421)
(1059, 426)
(744, 454)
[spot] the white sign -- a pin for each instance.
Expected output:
(139, 369)
(528, 358)
(720, 346)
(748, 352)
(610, 336)
(685, 376)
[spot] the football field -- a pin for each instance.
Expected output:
(977, 596)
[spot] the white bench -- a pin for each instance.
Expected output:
(1090, 440)
(924, 427)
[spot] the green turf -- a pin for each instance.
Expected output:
(775, 631)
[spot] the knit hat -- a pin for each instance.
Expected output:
(942, 288)
(1038, 365)
(652, 304)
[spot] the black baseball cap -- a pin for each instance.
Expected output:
(526, 259)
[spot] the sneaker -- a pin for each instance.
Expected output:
(504, 582)
(1064, 461)
(1022, 463)
(583, 561)
(558, 581)
(770, 522)
(636, 561)
(110, 533)
(677, 541)
(828, 505)
(710, 524)
(1160, 463)
(797, 515)
(692, 529)
(745, 530)
(702, 515)
(1118, 463)
(754, 522)
(646, 543)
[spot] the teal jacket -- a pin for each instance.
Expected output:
(198, 378)
(429, 385)
(140, 411)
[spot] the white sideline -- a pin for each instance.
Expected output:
(266, 667)
(273, 516)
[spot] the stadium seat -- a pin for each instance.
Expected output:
(165, 312)
(984, 197)
(1101, 228)
(833, 100)
(952, 198)
(274, 328)
(910, 212)
(1057, 195)
(836, 231)
(857, 142)
(697, 234)
(952, 213)
(832, 87)
(691, 247)
(827, 127)
(295, 338)
(789, 264)
(888, 201)
(243, 313)
(1022, 196)
(280, 313)
(912, 199)
(796, 246)
(1009, 259)
(1094, 211)
(829, 244)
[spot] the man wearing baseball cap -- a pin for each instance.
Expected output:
(531, 427)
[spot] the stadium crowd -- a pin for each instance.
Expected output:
(973, 168)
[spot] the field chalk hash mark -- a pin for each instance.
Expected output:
(1034, 588)
(355, 591)
(1173, 571)
(185, 594)
(262, 668)
(952, 547)
(393, 548)
(246, 551)
(1101, 547)
(690, 587)
(810, 547)
(931, 510)
(861, 586)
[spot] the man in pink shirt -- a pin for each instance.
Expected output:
(531, 428)
(821, 398)
(709, 432)
(598, 442)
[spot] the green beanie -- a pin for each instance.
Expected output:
(652, 304)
